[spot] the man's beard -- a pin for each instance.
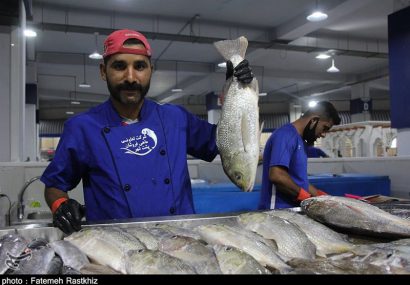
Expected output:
(115, 91)
(309, 134)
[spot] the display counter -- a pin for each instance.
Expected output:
(226, 197)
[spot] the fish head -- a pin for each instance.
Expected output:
(173, 243)
(241, 170)
(251, 218)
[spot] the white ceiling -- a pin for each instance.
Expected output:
(282, 48)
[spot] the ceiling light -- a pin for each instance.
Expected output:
(96, 54)
(75, 102)
(317, 16)
(69, 113)
(222, 64)
(29, 33)
(333, 68)
(263, 94)
(84, 85)
(312, 104)
(176, 90)
(323, 56)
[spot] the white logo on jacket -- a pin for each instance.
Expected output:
(141, 144)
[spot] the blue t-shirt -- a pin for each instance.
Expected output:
(137, 170)
(286, 148)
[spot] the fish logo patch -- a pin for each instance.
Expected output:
(141, 144)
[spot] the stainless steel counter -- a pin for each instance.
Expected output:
(38, 229)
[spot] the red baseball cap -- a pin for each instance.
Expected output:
(114, 43)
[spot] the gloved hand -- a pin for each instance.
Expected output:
(320, 193)
(243, 72)
(303, 194)
(67, 217)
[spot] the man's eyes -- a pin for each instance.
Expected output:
(118, 65)
(138, 65)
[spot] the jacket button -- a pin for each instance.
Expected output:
(107, 130)
(172, 210)
(166, 180)
(162, 152)
(127, 187)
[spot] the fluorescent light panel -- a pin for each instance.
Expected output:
(323, 56)
(84, 85)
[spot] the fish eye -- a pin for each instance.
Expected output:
(238, 176)
(140, 250)
(228, 248)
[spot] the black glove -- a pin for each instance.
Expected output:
(243, 72)
(68, 216)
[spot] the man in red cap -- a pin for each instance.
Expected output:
(130, 152)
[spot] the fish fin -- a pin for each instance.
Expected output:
(230, 48)
(245, 133)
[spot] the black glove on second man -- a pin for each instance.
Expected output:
(243, 72)
(68, 216)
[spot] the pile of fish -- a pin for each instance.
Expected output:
(276, 241)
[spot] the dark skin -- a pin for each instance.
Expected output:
(128, 78)
(279, 175)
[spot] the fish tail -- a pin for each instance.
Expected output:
(230, 48)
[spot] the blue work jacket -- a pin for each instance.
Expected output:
(138, 170)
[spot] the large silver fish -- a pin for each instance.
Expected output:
(245, 240)
(191, 251)
(238, 128)
(106, 245)
(326, 240)
(11, 247)
(145, 261)
(292, 242)
(71, 255)
(235, 261)
(355, 216)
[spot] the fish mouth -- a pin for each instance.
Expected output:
(249, 187)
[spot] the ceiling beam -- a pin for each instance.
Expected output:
(277, 44)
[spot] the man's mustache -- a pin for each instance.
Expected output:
(129, 87)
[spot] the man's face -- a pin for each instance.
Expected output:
(128, 77)
(315, 129)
